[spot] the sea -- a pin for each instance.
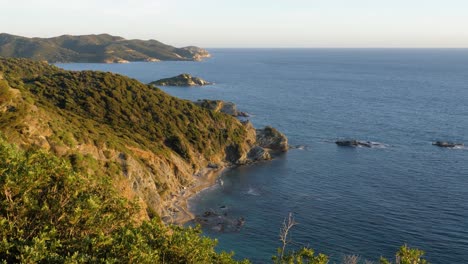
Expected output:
(346, 201)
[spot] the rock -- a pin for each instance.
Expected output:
(258, 153)
(181, 80)
(271, 138)
(354, 143)
(213, 165)
(243, 114)
(220, 222)
(228, 108)
(152, 60)
(447, 144)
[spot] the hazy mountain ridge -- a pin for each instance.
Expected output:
(102, 48)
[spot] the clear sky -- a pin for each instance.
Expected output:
(248, 23)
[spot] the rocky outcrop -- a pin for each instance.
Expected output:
(447, 144)
(271, 138)
(228, 108)
(184, 79)
(197, 53)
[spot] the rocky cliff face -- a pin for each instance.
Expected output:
(156, 148)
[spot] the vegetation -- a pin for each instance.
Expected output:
(67, 209)
(52, 214)
(304, 255)
(111, 109)
(93, 48)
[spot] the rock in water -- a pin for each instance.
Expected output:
(271, 138)
(355, 143)
(181, 80)
(447, 144)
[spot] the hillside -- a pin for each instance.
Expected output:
(101, 48)
(155, 147)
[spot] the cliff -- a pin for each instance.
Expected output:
(157, 148)
(102, 48)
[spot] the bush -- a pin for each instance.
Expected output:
(51, 214)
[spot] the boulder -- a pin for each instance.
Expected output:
(258, 153)
(271, 138)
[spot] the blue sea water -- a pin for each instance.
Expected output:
(346, 201)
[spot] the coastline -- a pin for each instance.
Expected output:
(206, 178)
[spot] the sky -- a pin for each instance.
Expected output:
(249, 23)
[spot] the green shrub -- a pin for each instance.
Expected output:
(51, 214)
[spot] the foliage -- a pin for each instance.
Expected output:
(407, 255)
(110, 109)
(92, 48)
(304, 255)
(52, 214)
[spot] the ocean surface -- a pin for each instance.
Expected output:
(364, 201)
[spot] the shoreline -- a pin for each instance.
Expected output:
(181, 212)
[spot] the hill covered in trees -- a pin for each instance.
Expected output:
(94, 48)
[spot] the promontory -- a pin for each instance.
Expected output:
(102, 48)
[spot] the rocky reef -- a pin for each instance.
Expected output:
(359, 143)
(221, 106)
(220, 221)
(447, 144)
(183, 79)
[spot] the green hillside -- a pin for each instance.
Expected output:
(152, 144)
(94, 48)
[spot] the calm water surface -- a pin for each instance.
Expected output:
(346, 201)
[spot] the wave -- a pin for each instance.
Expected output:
(253, 191)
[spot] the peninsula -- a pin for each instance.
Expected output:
(102, 48)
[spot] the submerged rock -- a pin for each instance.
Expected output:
(181, 80)
(359, 143)
(447, 144)
(220, 222)
(351, 143)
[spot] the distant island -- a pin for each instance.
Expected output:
(183, 79)
(103, 48)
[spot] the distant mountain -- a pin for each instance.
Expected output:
(94, 48)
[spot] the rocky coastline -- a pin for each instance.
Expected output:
(269, 143)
